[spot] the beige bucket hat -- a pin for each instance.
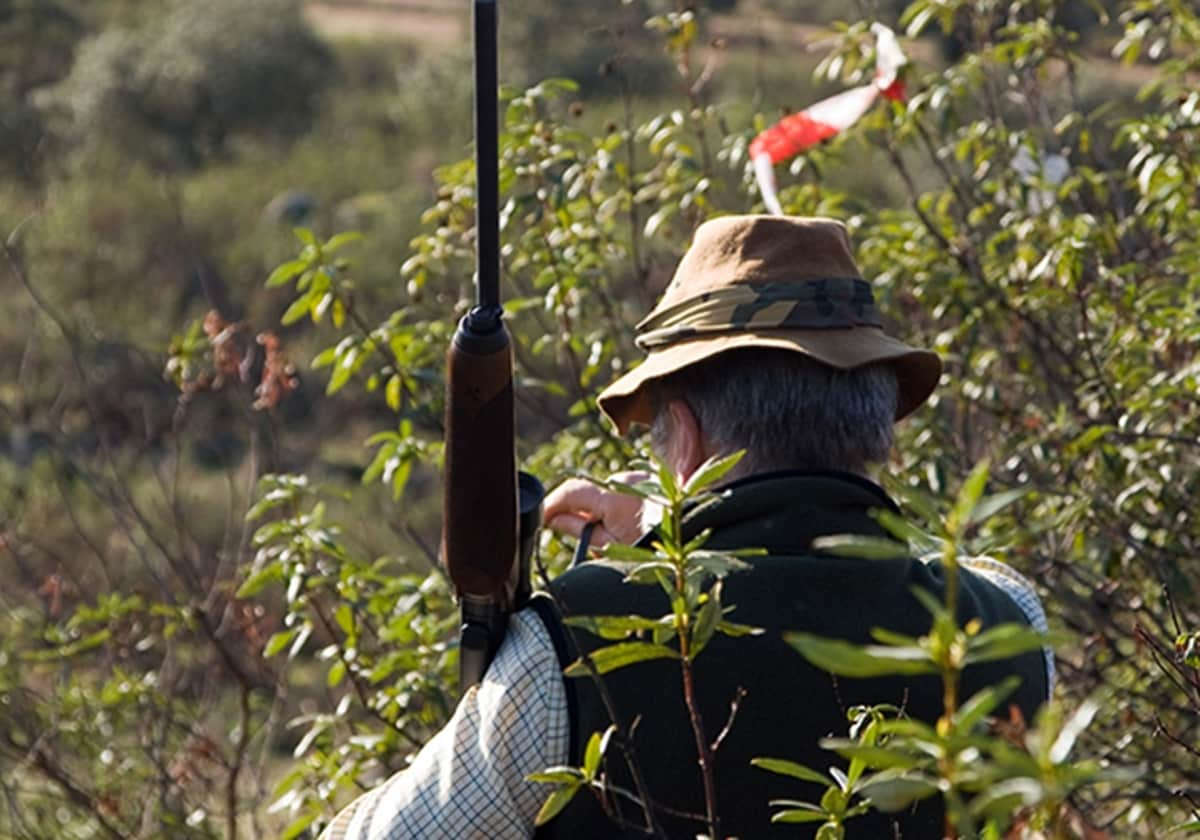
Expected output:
(767, 281)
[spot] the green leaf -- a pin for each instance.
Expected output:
(326, 357)
(342, 372)
(969, 495)
(391, 393)
(639, 489)
(1187, 648)
(874, 758)
(706, 622)
(862, 547)
(658, 218)
(301, 639)
(558, 775)
(887, 637)
(618, 656)
(783, 767)
(298, 826)
(711, 471)
(731, 628)
(337, 673)
(1072, 729)
(716, 563)
(344, 617)
(919, 541)
(400, 478)
(613, 627)
(259, 581)
(935, 607)
(850, 660)
(1007, 796)
(1002, 642)
(798, 815)
(340, 240)
(831, 831)
(652, 573)
(279, 641)
(890, 793)
(299, 308)
(305, 235)
(555, 803)
(593, 753)
(285, 272)
(983, 703)
(629, 553)
(992, 505)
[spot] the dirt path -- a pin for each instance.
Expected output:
(427, 21)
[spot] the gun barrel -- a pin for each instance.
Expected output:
(487, 157)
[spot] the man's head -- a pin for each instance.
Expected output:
(784, 409)
(767, 339)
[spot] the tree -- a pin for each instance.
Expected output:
(178, 87)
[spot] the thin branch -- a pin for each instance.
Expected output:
(239, 758)
(734, 705)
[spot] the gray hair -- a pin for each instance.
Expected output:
(786, 410)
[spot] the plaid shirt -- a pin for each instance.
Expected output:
(469, 781)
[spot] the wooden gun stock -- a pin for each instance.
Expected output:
(479, 530)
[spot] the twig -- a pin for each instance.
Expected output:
(635, 223)
(239, 757)
(704, 752)
(734, 705)
(704, 756)
(632, 797)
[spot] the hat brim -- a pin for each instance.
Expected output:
(626, 401)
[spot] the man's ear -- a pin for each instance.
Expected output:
(685, 446)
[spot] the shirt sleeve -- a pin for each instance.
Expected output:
(469, 780)
(1018, 587)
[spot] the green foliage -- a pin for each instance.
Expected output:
(180, 86)
(690, 578)
(381, 633)
(988, 782)
(605, 48)
(36, 41)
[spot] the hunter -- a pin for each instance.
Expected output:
(767, 340)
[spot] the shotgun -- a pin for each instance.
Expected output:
(490, 516)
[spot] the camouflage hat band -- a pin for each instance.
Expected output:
(829, 303)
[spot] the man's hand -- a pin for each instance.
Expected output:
(577, 501)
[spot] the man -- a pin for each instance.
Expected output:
(768, 341)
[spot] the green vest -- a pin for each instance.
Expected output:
(788, 704)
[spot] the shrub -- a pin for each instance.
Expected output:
(179, 87)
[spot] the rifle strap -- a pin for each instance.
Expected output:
(581, 549)
(544, 605)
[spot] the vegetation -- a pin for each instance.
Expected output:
(222, 614)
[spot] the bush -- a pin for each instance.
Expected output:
(178, 88)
